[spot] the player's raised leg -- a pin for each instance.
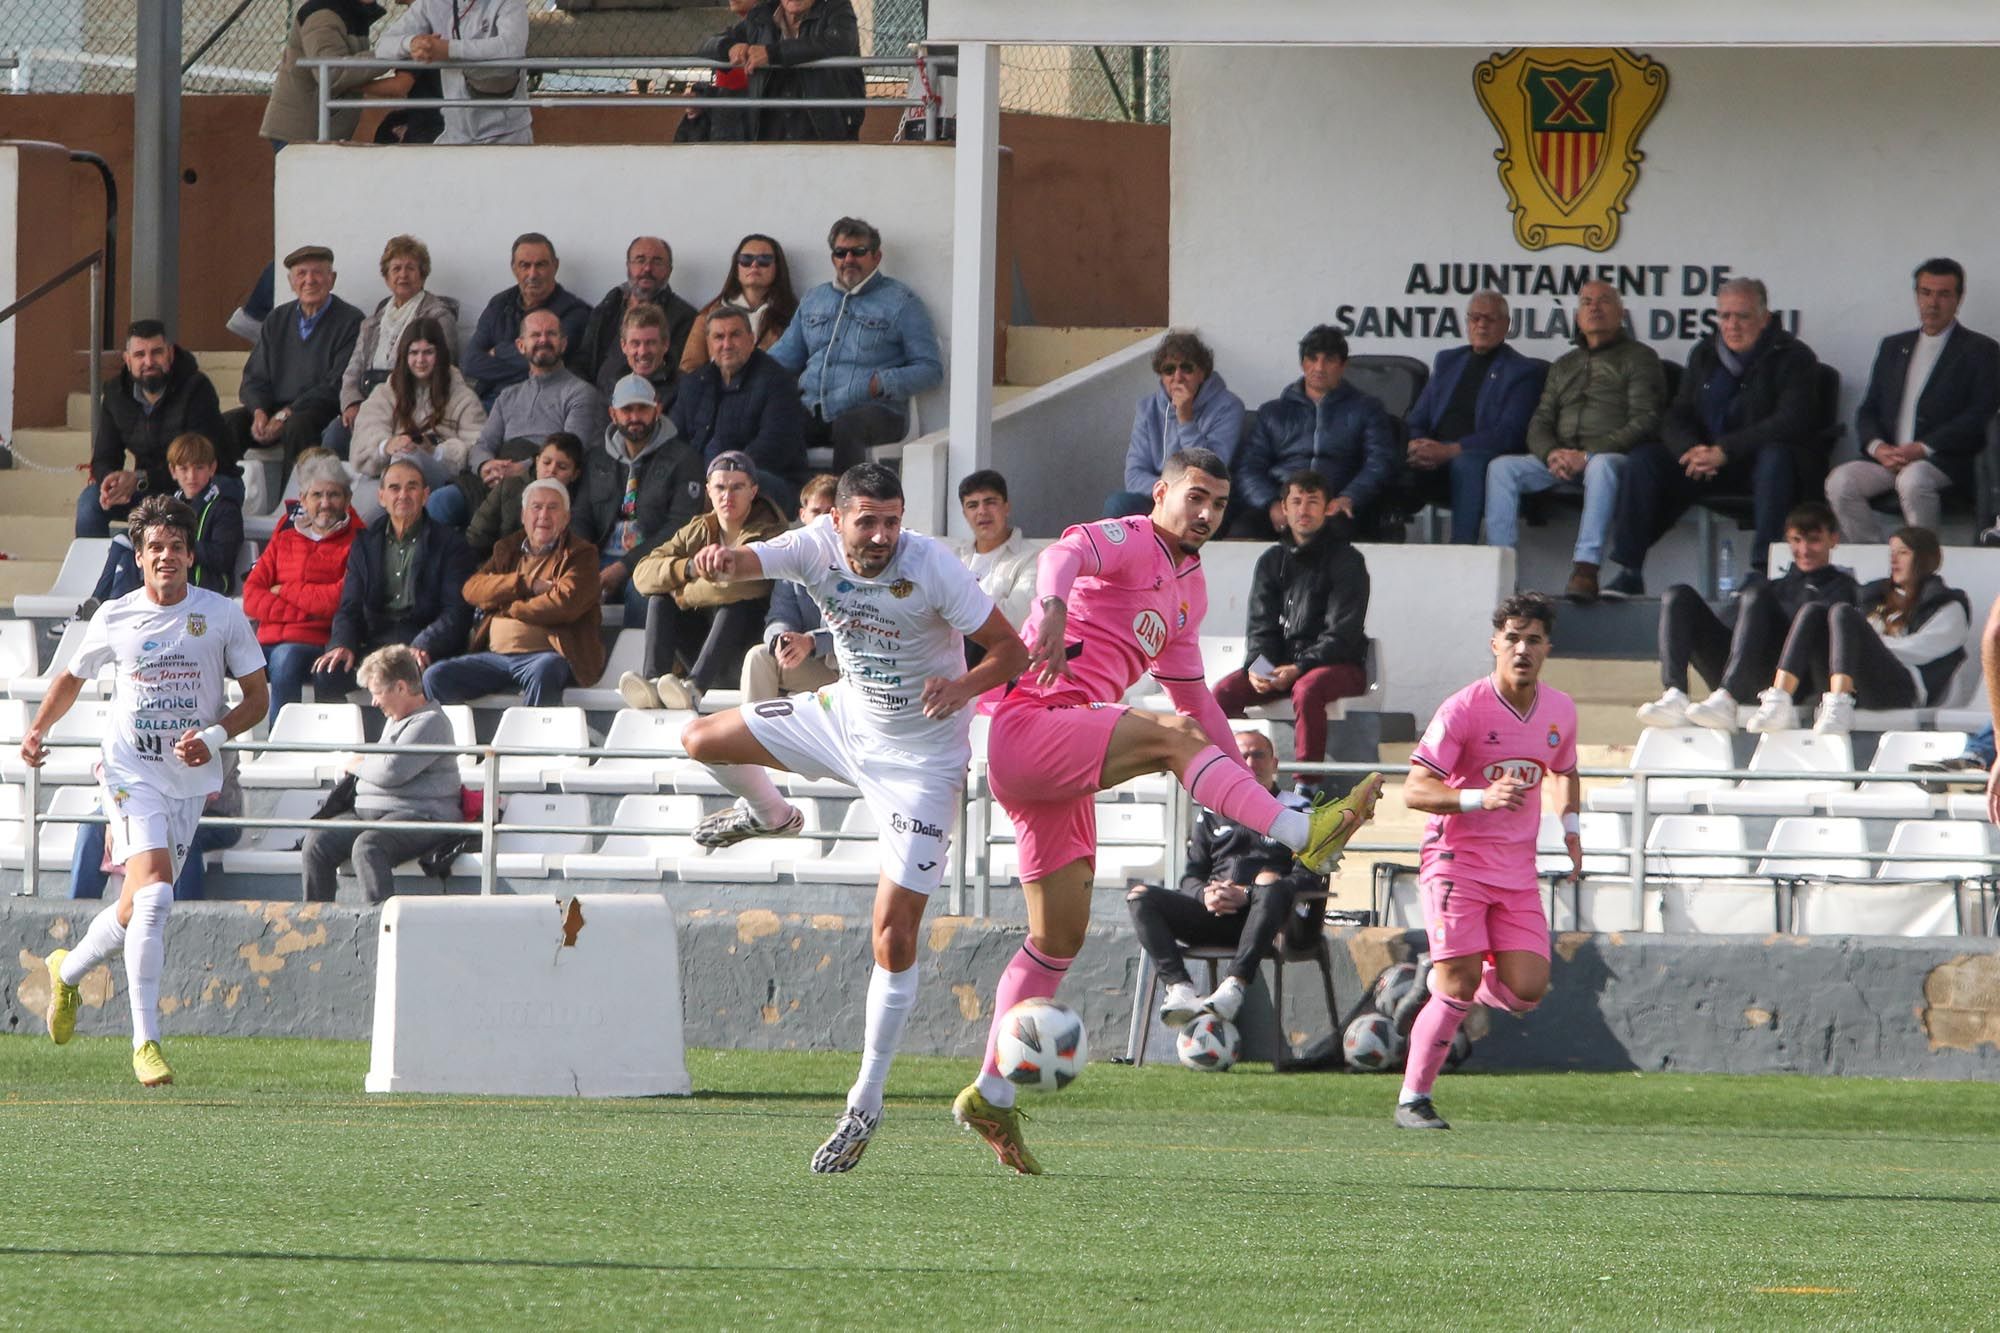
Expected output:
(1514, 980)
(725, 743)
(892, 993)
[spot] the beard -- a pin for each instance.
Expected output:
(153, 383)
(544, 357)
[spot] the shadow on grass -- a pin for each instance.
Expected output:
(462, 1261)
(1789, 1196)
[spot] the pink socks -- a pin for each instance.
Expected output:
(1224, 785)
(1493, 993)
(1430, 1043)
(1030, 975)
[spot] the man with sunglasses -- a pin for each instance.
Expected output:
(862, 346)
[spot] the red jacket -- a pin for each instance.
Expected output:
(308, 575)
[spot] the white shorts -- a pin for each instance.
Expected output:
(914, 808)
(140, 819)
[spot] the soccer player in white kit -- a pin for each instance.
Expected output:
(172, 645)
(894, 725)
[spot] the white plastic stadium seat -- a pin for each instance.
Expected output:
(81, 729)
(1788, 752)
(1895, 752)
(628, 653)
(1666, 749)
(15, 714)
(857, 862)
(1912, 898)
(532, 855)
(1695, 846)
(563, 728)
(649, 851)
(19, 657)
(634, 729)
(81, 566)
(1936, 837)
(274, 851)
(36, 687)
(1701, 896)
(1841, 846)
(1220, 655)
(58, 840)
(333, 724)
(758, 860)
(1602, 835)
(1119, 866)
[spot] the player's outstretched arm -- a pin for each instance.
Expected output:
(1424, 790)
(727, 564)
(196, 748)
(1006, 658)
(62, 694)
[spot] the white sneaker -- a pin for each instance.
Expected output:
(1183, 1002)
(1226, 1001)
(842, 1150)
(677, 692)
(1717, 712)
(637, 691)
(243, 326)
(1774, 713)
(1669, 710)
(1836, 715)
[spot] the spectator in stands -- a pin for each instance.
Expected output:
(1600, 400)
(1318, 424)
(1737, 660)
(390, 784)
(157, 397)
(1475, 408)
(406, 267)
(538, 627)
(497, 359)
(1931, 395)
(742, 401)
(1897, 649)
(1743, 421)
(560, 459)
(294, 588)
(641, 485)
(551, 399)
(1240, 888)
(773, 44)
(649, 270)
(717, 124)
(1307, 637)
(759, 284)
(862, 346)
(88, 871)
(433, 30)
(797, 653)
(424, 414)
(405, 584)
(291, 383)
(997, 553)
(708, 626)
(1193, 408)
(642, 351)
(218, 534)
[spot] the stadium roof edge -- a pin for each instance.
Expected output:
(1468, 23)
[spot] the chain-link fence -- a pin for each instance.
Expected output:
(231, 46)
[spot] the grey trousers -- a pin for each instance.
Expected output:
(376, 854)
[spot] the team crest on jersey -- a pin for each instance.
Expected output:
(1114, 531)
(902, 588)
(1150, 628)
(197, 624)
(1555, 738)
(1181, 623)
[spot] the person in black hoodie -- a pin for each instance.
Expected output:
(771, 42)
(1737, 661)
(1308, 611)
(159, 395)
(1897, 649)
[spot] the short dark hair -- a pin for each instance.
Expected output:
(1323, 340)
(532, 238)
(1812, 516)
(1196, 459)
(1942, 268)
(867, 481)
(1526, 606)
(161, 511)
(986, 479)
(1309, 481)
(571, 447)
(1184, 345)
(728, 311)
(145, 329)
(853, 227)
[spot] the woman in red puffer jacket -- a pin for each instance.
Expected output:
(294, 588)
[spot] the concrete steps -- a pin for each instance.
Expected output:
(54, 448)
(26, 576)
(1037, 354)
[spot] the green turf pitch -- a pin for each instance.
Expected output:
(266, 1189)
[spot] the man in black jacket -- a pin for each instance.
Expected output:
(1738, 661)
(1241, 888)
(159, 395)
(771, 42)
(744, 401)
(1923, 420)
(640, 456)
(405, 576)
(1307, 624)
(602, 359)
(1744, 421)
(494, 359)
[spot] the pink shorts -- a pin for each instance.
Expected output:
(1044, 762)
(1463, 918)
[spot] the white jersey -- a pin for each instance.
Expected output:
(891, 633)
(172, 663)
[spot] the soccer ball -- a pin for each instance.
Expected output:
(1371, 1044)
(1394, 983)
(1210, 1042)
(1461, 1048)
(1042, 1045)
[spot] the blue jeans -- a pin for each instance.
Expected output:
(539, 676)
(289, 665)
(1510, 478)
(1980, 746)
(86, 866)
(447, 505)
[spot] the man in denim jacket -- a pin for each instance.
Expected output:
(862, 346)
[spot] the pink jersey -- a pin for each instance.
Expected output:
(1135, 608)
(1475, 740)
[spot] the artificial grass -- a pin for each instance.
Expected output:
(265, 1188)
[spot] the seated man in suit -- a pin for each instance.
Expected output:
(1474, 408)
(1923, 420)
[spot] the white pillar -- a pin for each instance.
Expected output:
(975, 223)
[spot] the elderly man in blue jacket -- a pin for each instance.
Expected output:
(1318, 424)
(1474, 408)
(862, 346)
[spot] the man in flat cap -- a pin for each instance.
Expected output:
(291, 384)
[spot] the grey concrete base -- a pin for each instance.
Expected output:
(781, 978)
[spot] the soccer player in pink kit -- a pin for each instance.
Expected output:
(1478, 773)
(1114, 600)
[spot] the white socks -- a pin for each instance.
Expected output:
(104, 938)
(891, 995)
(1293, 828)
(752, 783)
(996, 1089)
(145, 950)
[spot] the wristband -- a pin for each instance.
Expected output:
(1470, 799)
(1572, 827)
(214, 738)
